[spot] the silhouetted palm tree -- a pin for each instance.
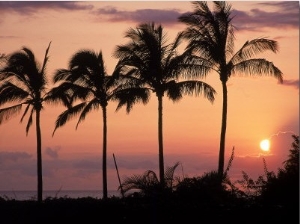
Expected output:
(159, 67)
(86, 81)
(24, 82)
(211, 38)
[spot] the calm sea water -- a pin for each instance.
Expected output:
(32, 195)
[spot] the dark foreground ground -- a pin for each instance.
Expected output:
(142, 211)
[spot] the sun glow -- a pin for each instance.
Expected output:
(265, 145)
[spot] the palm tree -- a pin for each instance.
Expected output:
(23, 82)
(158, 67)
(86, 81)
(211, 37)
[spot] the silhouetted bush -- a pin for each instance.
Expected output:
(283, 189)
(272, 198)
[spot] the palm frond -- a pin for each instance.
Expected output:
(9, 112)
(60, 94)
(46, 58)
(178, 40)
(61, 75)
(29, 54)
(30, 119)
(88, 59)
(130, 97)
(252, 48)
(130, 56)
(83, 92)
(2, 57)
(188, 66)
(5, 75)
(68, 115)
(126, 81)
(143, 182)
(230, 42)
(175, 91)
(24, 69)
(201, 10)
(135, 182)
(68, 92)
(257, 67)
(78, 75)
(150, 177)
(83, 57)
(88, 107)
(229, 163)
(27, 70)
(225, 27)
(25, 112)
(169, 174)
(148, 181)
(10, 92)
(210, 33)
(95, 71)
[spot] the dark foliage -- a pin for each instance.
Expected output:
(283, 189)
(272, 198)
(141, 210)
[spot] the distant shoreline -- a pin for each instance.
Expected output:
(32, 194)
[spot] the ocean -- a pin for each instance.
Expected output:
(32, 195)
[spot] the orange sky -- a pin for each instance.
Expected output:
(258, 108)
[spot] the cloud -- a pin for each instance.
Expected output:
(166, 16)
(89, 164)
(32, 7)
(53, 153)
(134, 162)
(14, 156)
(86, 171)
(17, 163)
(109, 13)
(285, 16)
(287, 6)
(8, 37)
(291, 82)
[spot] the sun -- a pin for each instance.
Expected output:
(265, 145)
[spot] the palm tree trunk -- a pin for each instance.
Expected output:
(223, 131)
(160, 141)
(39, 157)
(104, 167)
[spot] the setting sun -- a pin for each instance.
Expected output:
(265, 145)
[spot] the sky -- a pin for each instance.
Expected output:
(258, 107)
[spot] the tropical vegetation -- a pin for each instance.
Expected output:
(87, 81)
(23, 83)
(160, 69)
(148, 64)
(281, 189)
(273, 197)
(211, 39)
